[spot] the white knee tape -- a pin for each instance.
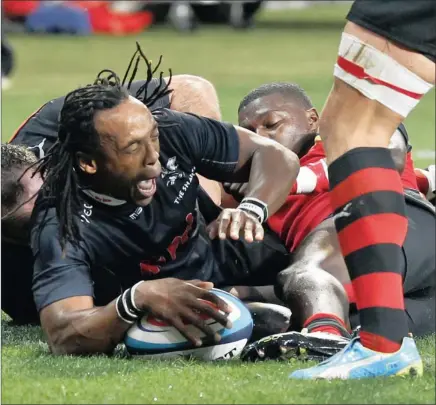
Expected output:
(379, 77)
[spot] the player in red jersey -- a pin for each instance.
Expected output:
(283, 112)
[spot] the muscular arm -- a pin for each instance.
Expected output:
(75, 326)
(63, 293)
(228, 153)
(269, 168)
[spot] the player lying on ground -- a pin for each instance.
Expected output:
(386, 64)
(186, 93)
(39, 132)
(117, 209)
(283, 112)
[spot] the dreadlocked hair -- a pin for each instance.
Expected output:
(77, 133)
(160, 91)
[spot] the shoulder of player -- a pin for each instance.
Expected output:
(175, 129)
(168, 119)
(42, 123)
(45, 229)
(44, 214)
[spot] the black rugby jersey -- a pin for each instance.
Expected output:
(39, 132)
(166, 238)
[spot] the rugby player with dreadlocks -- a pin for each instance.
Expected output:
(185, 93)
(33, 139)
(120, 191)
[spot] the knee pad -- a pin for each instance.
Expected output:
(378, 76)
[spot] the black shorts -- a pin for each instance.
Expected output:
(409, 23)
(419, 270)
(242, 263)
(250, 264)
(419, 249)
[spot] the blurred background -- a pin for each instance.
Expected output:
(51, 47)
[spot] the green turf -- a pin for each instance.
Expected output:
(31, 375)
(236, 62)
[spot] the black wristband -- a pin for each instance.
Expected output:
(130, 304)
(126, 307)
(122, 312)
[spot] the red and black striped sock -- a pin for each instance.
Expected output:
(367, 196)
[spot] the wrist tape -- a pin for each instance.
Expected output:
(126, 307)
(254, 207)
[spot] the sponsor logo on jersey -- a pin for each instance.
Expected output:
(170, 172)
(135, 215)
(86, 214)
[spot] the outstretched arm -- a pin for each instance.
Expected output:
(63, 292)
(228, 153)
(269, 169)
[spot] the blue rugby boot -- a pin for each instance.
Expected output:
(356, 361)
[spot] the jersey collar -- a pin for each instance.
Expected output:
(103, 198)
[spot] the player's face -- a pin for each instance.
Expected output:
(130, 141)
(18, 227)
(283, 121)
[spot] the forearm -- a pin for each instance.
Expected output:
(274, 170)
(90, 331)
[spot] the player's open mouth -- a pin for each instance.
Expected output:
(146, 188)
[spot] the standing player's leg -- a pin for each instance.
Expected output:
(377, 83)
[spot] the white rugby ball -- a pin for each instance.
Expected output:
(152, 338)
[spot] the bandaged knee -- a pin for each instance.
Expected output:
(378, 76)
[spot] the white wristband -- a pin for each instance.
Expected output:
(132, 296)
(118, 312)
(256, 207)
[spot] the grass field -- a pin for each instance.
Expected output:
(235, 62)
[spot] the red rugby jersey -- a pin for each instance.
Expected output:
(301, 213)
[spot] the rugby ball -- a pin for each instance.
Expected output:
(152, 338)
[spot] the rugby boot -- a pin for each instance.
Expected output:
(316, 346)
(356, 362)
